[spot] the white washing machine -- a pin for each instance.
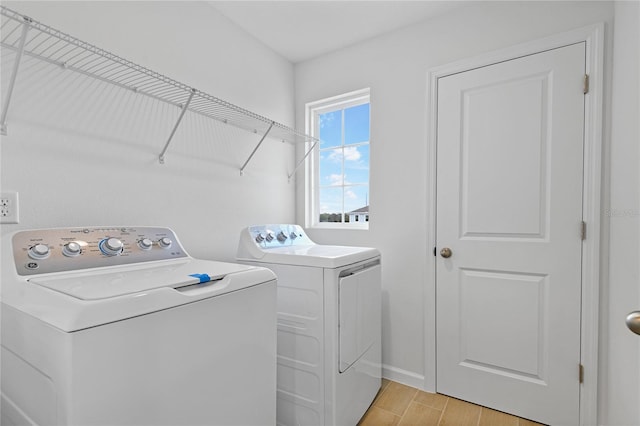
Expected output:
(120, 326)
(329, 324)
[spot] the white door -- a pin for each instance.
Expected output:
(509, 208)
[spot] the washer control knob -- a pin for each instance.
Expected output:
(293, 235)
(145, 244)
(39, 251)
(71, 249)
(111, 246)
(165, 242)
(269, 236)
(259, 238)
(282, 237)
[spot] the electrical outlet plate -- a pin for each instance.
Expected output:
(9, 207)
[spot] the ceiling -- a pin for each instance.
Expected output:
(303, 29)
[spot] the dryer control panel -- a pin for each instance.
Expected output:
(270, 236)
(42, 251)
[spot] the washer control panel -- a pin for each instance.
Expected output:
(42, 251)
(270, 236)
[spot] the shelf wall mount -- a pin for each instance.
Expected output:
(175, 127)
(295, 169)
(256, 148)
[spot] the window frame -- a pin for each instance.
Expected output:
(312, 180)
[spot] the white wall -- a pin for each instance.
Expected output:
(620, 349)
(394, 66)
(81, 152)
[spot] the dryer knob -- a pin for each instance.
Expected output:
(39, 251)
(269, 236)
(165, 242)
(259, 238)
(293, 235)
(282, 237)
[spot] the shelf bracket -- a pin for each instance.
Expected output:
(14, 74)
(302, 160)
(256, 148)
(173, 132)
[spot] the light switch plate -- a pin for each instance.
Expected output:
(9, 212)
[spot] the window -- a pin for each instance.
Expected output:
(338, 176)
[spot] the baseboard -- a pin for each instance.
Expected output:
(403, 376)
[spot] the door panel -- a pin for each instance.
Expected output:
(509, 339)
(509, 206)
(359, 315)
(491, 204)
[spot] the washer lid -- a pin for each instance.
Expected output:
(320, 256)
(114, 282)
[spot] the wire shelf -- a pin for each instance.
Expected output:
(35, 39)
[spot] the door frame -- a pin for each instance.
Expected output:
(593, 36)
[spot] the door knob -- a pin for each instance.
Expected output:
(633, 321)
(446, 252)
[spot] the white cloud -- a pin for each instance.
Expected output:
(326, 119)
(335, 156)
(351, 153)
(335, 179)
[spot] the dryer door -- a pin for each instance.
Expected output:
(359, 312)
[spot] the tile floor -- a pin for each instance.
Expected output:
(402, 405)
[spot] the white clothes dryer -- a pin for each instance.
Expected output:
(329, 324)
(120, 326)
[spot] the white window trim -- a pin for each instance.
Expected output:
(312, 111)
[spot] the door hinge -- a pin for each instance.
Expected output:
(585, 85)
(583, 230)
(581, 373)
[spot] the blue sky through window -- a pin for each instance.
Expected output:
(344, 161)
(356, 124)
(331, 129)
